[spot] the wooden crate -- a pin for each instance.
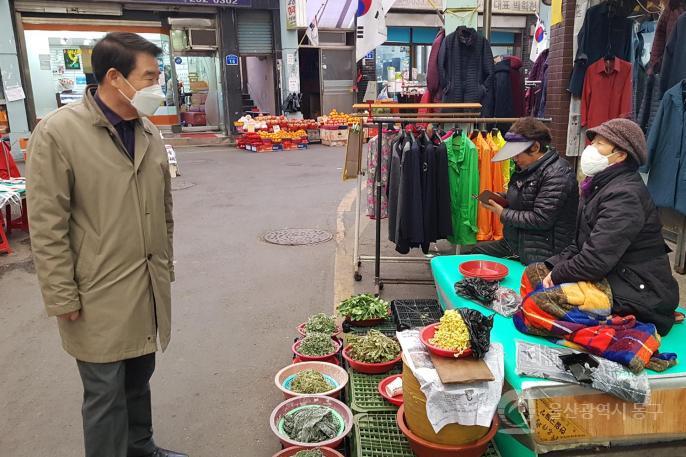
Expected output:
(334, 135)
(567, 417)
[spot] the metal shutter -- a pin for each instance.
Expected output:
(255, 32)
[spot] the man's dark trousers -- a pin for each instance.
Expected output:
(117, 416)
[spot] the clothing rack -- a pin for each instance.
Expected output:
(379, 122)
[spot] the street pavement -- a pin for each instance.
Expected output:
(236, 303)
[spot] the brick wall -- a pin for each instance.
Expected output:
(559, 70)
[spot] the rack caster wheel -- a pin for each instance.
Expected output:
(359, 263)
(380, 286)
(358, 277)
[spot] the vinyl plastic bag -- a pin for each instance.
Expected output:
(479, 331)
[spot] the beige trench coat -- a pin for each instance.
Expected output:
(101, 232)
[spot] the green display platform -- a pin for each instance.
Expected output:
(446, 273)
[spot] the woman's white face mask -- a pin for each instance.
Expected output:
(593, 162)
(147, 100)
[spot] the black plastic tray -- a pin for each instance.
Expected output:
(412, 313)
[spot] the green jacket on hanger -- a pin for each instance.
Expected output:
(463, 159)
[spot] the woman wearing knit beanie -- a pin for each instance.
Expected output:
(619, 234)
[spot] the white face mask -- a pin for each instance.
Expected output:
(593, 162)
(147, 100)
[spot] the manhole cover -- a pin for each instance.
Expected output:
(181, 185)
(297, 237)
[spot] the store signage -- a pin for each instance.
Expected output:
(369, 56)
(232, 59)
(508, 7)
(238, 3)
(512, 6)
(291, 14)
(178, 61)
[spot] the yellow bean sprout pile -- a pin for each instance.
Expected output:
(452, 334)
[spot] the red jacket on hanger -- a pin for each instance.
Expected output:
(607, 92)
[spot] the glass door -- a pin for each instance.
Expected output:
(197, 92)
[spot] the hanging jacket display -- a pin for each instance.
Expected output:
(667, 152)
(663, 31)
(419, 193)
(484, 219)
(674, 60)
(372, 162)
(497, 185)
(534, 99)
(607, 92)
(517, 84)
(605, 32)
(642, 45)
(467, 71)
(463, 159)
(433, 78)
(503, 100)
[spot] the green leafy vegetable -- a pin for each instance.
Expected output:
(311, 425)
(310, 382)
(321, 323)
(374, 347)
(316, 344)
(309, 453)
(363, 307)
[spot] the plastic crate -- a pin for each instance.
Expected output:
(377, 435)
(415, 313)
(388, 328)
(363, 393)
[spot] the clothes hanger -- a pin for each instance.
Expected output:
(494, 131)
(457, 132)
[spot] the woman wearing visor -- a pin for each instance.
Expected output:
(539, 217)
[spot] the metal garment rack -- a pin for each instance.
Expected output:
(379, 122)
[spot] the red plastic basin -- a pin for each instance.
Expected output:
(291, 451)
(428, 332)
(484, 269)
(370, 368)
(398, 399)
(312, 358)
(301, 330)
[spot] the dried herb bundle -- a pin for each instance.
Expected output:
(374, 347)
(363, 307)
(310, 382)
(316, 344)
(311, 425)
(309, 453)
(321, 323)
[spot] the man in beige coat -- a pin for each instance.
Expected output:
(100, 216)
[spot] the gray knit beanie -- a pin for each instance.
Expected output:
(626, 135)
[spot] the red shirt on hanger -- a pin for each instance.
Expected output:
(607, 92)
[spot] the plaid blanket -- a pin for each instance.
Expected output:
(578, 315)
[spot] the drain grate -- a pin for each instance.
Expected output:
(297, 237)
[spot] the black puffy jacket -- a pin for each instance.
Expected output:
(543, 201)
(619, 237)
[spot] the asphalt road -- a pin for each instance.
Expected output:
(236, 302)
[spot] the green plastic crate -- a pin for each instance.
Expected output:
(377, 435)
(363, 392)
(388, 328)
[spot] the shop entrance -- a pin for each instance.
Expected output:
(257, 84)
(310, 82)
(197, 90)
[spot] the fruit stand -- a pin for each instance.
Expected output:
(334, 128)
(274, 133)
